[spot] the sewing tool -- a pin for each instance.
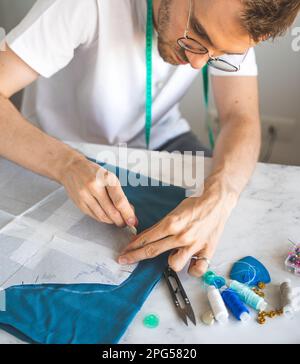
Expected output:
(151, 321)
(211, 279)
(235, 305)
(250, 271)
(217, 305)
(186, 311)
(248, 296)
(149, 67)
(132, 230)
(292, 262)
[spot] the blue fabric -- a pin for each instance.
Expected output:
(92, 313)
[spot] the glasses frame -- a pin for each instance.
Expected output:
(204, 50)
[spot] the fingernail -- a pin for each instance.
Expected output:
(123, 261)
(131, 221)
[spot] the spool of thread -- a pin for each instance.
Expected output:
(211, 279)
(248, 296)
(235, 304)
(217, 305)
(286, 296)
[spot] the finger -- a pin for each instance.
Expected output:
(108, 207)
(96, 216)
(121, 203)
(178, 259)
(131, 246)
(136, 219)
(154, 234)
(150, 251)
(199, 267)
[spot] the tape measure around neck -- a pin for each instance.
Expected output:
(149, 44)
(211, 135)
(149, 66)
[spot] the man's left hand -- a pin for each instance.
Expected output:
(192, 229)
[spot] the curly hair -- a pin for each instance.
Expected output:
(268, 19)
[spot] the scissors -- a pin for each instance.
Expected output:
(186, 311)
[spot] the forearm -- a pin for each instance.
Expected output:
(236, 153)
(29, 147)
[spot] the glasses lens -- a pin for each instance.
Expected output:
(192, 45)
(223, 65)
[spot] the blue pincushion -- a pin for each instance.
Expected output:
(250, 271)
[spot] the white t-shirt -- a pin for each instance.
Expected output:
(91, 56)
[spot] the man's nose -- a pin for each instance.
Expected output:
(197, 61)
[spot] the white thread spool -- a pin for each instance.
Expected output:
(290, 298)
(286, 296)
(217, 305)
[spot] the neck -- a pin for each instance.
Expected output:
(156, 6)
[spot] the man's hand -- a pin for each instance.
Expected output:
(192, 229)
(98, 193)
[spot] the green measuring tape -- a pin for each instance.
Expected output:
(149, 45)
(211, 135)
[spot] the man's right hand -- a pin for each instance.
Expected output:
(95, 191)
(98, 193)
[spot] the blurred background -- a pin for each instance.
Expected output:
(279, 69)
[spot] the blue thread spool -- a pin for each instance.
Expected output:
(248, 296)
(235, 305)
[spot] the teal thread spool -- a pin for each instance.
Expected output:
(211, 279)
(151, 321)
(248, 296)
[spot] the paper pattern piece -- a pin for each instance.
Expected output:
(52, 242)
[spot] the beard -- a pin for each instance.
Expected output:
(167, 48)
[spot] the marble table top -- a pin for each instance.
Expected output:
(267, 216)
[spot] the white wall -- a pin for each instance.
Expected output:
(279, 84)
(279, 77)
(12, 11)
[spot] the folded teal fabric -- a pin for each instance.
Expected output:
(92, 313)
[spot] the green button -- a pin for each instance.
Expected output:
(151, 321)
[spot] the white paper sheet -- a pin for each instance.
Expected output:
(44, 238)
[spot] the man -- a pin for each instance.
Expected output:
(88, 58)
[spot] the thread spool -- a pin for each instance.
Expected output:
(248, 296)
(211, 279)
(286, 296)
(217, 305)
(235, 304)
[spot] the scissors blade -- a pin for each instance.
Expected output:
(182, 315)
(190, 313)
(187, 311)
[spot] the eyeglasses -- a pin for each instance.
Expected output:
(191, 45)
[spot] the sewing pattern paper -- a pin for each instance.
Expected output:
(53, 242)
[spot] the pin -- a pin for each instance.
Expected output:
(132, 229)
